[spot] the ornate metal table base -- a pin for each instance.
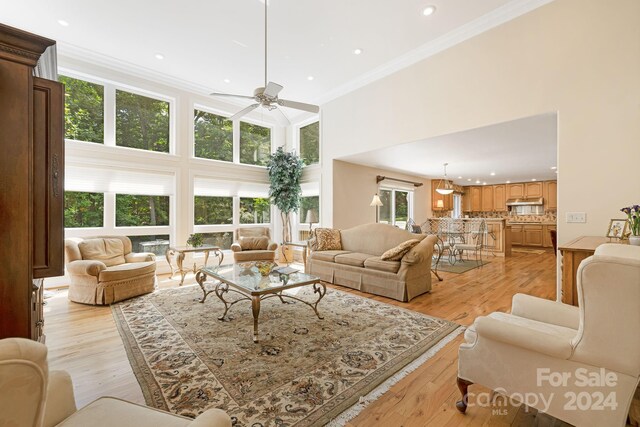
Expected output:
(221, 288)
(181, 251)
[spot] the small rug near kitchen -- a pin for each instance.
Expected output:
(303, 372)
(528, 251)
(460, 266)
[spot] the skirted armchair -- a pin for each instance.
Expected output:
(253, 244)
(103, 270)
(578, 364)
(33, 396)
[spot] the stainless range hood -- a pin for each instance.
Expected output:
(538, 201)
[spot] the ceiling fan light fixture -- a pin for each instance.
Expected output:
(444, 186)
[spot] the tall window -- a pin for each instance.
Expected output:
(255, 144)
(310, 143)
(142, 122)
(82, 209)
(209, 210)
(309, 203)
(213, 136)
(83, 110)
(141, 211)
(222, 239)
(155, 243)
(255, 210)
(397, 207)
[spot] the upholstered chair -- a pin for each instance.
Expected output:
(253, 244)
(33, 396)
(103, 270)
(544, 350)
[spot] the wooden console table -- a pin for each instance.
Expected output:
(573, 253)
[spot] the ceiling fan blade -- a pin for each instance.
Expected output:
(230, 94)
(282, 118)
(299, 106)
(244, 111)
(272, 90)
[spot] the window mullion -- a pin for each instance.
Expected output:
(236, 141)
(109, 115)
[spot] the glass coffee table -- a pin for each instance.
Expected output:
(246, 280)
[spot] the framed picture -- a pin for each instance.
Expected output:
(617, 228)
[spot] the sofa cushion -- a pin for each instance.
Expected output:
(356, 259)
(376, 263)
(126, 271)
(254, 243)
(257, 255)
(326, 255)
(327, 239)
(396, 253)
(109, 251)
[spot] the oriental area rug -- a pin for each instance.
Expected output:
(303, 372)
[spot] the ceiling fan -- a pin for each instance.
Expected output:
(267, 96)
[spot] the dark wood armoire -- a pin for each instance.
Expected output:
(31, 183)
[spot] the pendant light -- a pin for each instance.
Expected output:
(444, 186)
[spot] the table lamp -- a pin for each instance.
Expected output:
(311, 218)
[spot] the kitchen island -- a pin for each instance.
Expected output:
(496, 239)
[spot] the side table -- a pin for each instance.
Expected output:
(305, 248)
(179, 253)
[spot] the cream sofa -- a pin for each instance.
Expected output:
(103, 270)
(543, 350)
(33, 396)
(358, 264)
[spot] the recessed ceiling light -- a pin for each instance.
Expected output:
(477, 181)
(459, 177)
(429, 10)
(492, 174)
(508, 182)
(227, 81)
(484, 183)
(63, 22)
(357, 51)
(533, 179)
(554, 168)
(309, 78)
(468, 179)
(159, 56)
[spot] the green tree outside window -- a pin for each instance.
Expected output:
(83, 110)
(255, 210)
(82, 209)
(309, 203)
(310, 143)
(255, 144)
(210, 210)
(141, 211)
(142, 122)
(213, 136)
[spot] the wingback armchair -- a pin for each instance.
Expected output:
(104, 270)
(253, 244)
(33, 396)
(543, 351)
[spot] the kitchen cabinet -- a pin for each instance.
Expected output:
(476, 199)
(515, 191)
(533, 189)
(546, 236)
(532, 235)
(500, 198)
(447, 199)
(487, 198)
(550, 195)
(517, 235)
(466, 200)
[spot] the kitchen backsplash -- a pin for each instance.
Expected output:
(549, 216)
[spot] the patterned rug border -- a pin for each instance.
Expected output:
(344, 411)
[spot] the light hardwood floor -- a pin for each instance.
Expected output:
(84, 341)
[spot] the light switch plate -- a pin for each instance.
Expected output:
(576, 217)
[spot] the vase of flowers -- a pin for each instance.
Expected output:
(633, 213)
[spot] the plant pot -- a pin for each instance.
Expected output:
(286, 254)
(634, 240)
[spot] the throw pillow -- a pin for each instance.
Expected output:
(254, 243)
(396, 254)
(328, 239)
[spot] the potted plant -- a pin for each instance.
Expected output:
(285, 170)
(633, 213)
(196, 240)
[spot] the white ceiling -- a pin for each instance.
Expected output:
(207, 41)
(517, 151)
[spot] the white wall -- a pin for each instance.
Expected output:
(580, 58)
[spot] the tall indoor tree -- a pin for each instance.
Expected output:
(285, 171)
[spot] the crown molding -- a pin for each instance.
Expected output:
(478, 26)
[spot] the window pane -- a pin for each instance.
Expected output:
(222, 239)
(385, 209)
(155, 243)
(139, 211)
(142, 122)
(402, 208)
(83, 110)
(255, 211)
(306, 203)
(83, 209)
(310, 143)
(213, 136)
(212, 210)
(255, 144)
